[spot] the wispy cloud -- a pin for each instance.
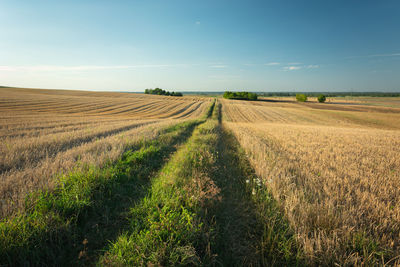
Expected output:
(218, 66)
(381, 71)
(272, 64)
(295, 63)
(289, 68)
(49, 68)
(198, 22)
(376, 55)
(385, 55)
(223, 76)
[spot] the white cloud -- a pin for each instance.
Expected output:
(295, 63)
(7, 68)
(292, 68)
(297, 67)
(218, 66)
(198, 22)
(272, 64)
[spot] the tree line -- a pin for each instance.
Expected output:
(240, 95)
(159, 91)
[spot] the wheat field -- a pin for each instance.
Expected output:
(44, 133)
(321, 181)
(334, 170)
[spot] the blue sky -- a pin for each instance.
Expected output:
(201, 45)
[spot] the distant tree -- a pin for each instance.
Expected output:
(252, 96)
(240, 95)
(228, 94)
(301, 97)
(321, 98)
(159, 91)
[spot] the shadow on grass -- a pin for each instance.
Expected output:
(75, 235)
(251, 231)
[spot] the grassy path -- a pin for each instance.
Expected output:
(168, 227)
(206, 207)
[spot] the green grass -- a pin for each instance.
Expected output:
(166, 228)
(371, 252)
(87, 208)
(210, 110)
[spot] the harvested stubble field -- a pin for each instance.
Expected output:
(334, 170)
(117, 179)
(47, 132)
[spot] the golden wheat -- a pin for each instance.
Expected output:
(44, 133)
(34, 101)
(311, 114)
(337, 178)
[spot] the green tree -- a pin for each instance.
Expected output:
(228, 94)
(301, 97)
(321, 98)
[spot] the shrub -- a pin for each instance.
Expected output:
(240, 95)
(301, 97)
(321, 98)
(176, 94)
